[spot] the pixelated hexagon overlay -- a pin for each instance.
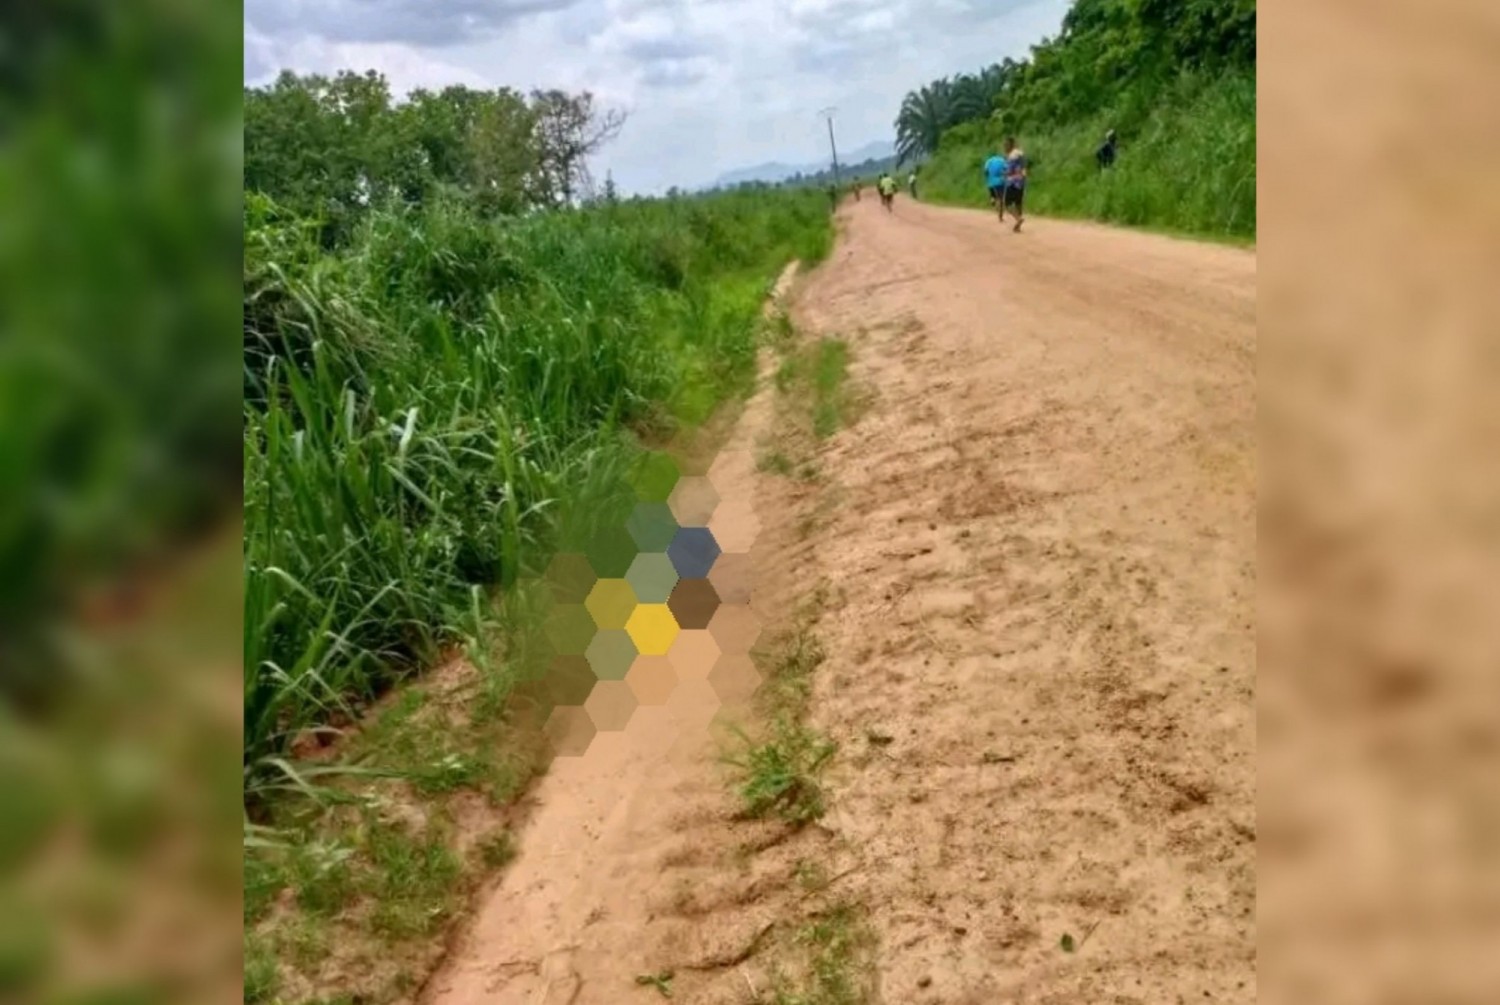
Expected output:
(653, 612)
(693, 501)
(693, 602)
(569, 731)
(693, 551)
(569, 576)
(694, 703)
(610, 602)
(655, 477)
(652, 526)
(735, 628)
(610, 653)
(693, 654)
(731, 578)
(610, 705)
(735, 525)
(652, 678)
(569, 628)
(569, 680)
(652, 628)
(652, 576)
(734, 678)
(611, 551)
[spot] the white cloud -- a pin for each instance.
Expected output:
(709, 85)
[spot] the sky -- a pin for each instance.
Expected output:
(708, 86)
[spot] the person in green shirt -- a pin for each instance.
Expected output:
(887, 189)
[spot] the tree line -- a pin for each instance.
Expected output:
(1116, 53)
(848, 174)
(331, 147)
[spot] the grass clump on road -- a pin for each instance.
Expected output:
(780, 773)
(777, 771)
(834, 966)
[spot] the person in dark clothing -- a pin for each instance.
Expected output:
(1105, 155)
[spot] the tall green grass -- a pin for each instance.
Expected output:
(1186, 164)
(446, 400)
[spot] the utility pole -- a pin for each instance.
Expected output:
(827, 113)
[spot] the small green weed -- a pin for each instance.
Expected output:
(789, 661)
(775, 462)
(779, 775)
(497, 850)
(662, 982)
(261, 977)
(411, 878)
(832, 404)
(835, 944)
(321, 875)
(811, 876)
(305, 942)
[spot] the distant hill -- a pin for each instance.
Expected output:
(773, 172)
(865, 171)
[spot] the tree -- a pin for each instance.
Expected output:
(568, 129)
(503, 155)
(329, 148)
(923, 117)
(1109, 53)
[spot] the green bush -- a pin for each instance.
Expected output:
(443, 401)
(1186, 162)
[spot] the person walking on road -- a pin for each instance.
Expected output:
(1015, 182)
(887, 190)
(911, 183)
(994, 180)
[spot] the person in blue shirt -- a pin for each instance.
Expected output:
(994, 179)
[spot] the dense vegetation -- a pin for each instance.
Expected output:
(448, 370)
(1175, 79)
(335, 147)
(459, 359)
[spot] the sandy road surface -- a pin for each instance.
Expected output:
(1043, 594)
(1047, 559)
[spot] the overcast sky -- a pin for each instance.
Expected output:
(709, 85)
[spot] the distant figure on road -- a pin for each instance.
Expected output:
(887, 190)
(1015, 182)
(994, 180)
(1105, 155)
(911, 183)
(833, 197)
(857, 187)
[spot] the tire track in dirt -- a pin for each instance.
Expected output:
(1046, 588)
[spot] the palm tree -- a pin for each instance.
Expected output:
(923, 117)
(970, 100)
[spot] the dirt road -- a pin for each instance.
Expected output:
(1040, 653)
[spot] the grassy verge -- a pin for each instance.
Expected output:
(1186, 164)
(431, 415)
(449, 400)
